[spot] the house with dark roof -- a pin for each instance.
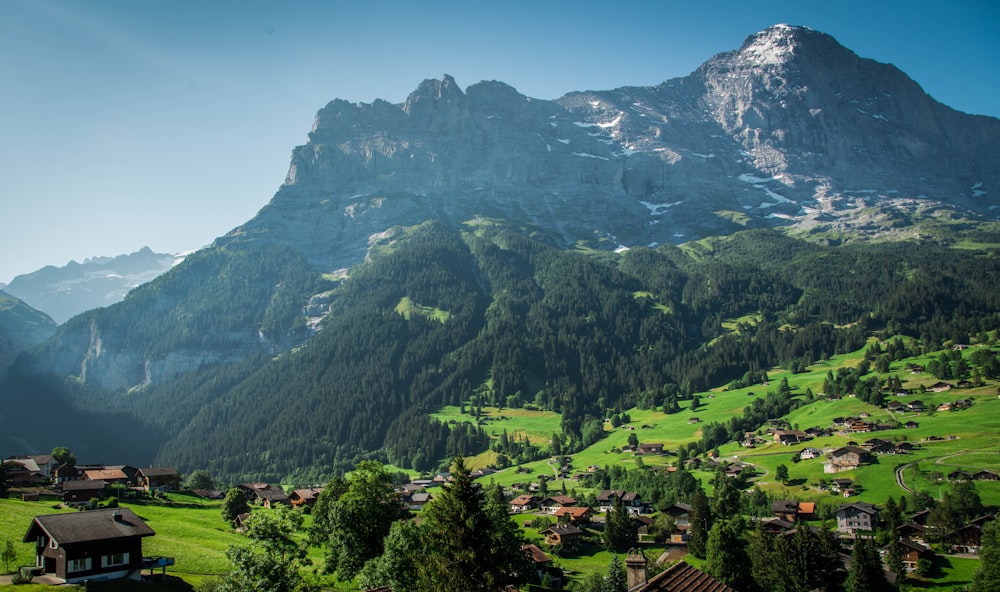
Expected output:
(679, 577)
(93, 545)
(158, 479)
(264, 494)
(566, 535)
(846, 458)
(969, 538)
(913, 552)
(75, 492)
(305, 497)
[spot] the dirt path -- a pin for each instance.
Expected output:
(899, 477)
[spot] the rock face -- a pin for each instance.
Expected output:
(64, 292)
(791, 129)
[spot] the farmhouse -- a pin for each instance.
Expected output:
(566, 535)
(158, 479)
(984, 475)
(82, 491)
(969, 538)
(912, 553)
(810, 453)
(524, 503)
(787, 437)
(264, 494)
(94, 545)
(846, 458)
(109, 476)
(304, 497)
(572, 514)
(651, 448)
(554, 502)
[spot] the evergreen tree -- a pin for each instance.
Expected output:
(620, 531)
(399, 567)
(987, 578)
(700, 523)
(469, 546)
(615, 580)
(726, 553)
(865, 573)
(781, 474)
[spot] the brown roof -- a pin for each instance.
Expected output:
(105, 474)
(537, 555)
(159, 472)
(94, 525)
(684, 577)
(83, 485)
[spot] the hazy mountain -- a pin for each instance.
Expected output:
(421, 252)
(64, 292)
(21, 327)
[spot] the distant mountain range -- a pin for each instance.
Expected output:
(64, 292)
(463, 244)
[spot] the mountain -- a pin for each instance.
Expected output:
(64, 292)
(482, 246)
(21, 327)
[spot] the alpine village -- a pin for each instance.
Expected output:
(739, 331)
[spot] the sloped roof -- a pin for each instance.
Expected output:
(684, 577)
(94, 525)
(105, 474)
(159, 472)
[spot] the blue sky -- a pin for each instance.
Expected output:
(165, 124)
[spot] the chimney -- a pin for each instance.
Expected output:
(635, 569)
(117, 516)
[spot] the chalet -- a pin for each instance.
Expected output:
(916, 406)
(904, 448)
(24, 472)
(839, 485)
(93, 545)
(573, 515)
(750, 440)
(959, 475)
(857, 517)
(913, 552)
(894, 406)
(878, 446)
(553, 502)
(606, 498)
(651, 448)
(940, 387)
(108, 475)
(861, 426)
(301, 498)
(920, 517)
(566, 535)
(786, 510)
(911, 425)
(912, 531)
(44, 464)
(693, 419)
(846, 458)
(787, 437)
(76, 492)
(209, 494)
(159, 479)
(945, 407)
(525, 503)
(985, 475)
(810, 453)
(266, 495)
(416, 500)
(969, 538)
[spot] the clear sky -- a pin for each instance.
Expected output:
(166, 123)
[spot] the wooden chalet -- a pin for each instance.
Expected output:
(574, 515)
(969, 538)
(162, 479)
(846, 458)
(554, 502)
(913, 552)
(301, 498)
(538, 557)
(77, 492)
(985, 475)
(24, 472)
(111, 476)
(566, 535)
(651, 448)
(525, 503)
(787, 437)
(93, 545)
(912, 531)
(264, 494)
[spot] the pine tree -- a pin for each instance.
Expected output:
(726, 553)
(615, 580)
(620, 530)
(987, 578)
(700, 523)
(865, 573)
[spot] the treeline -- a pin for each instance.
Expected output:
(582, 334)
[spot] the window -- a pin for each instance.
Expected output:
(78, 565)
(114, 560)
(53, 544)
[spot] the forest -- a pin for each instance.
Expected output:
(518, 323)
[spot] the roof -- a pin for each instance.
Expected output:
(159, 472)
(861, 506)
(572, 511)
(807, 507)
(523, 500)
(537, 555)
(684, 577)
(83, 485)
(562, 529)
(106, 474)
(94, 525)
